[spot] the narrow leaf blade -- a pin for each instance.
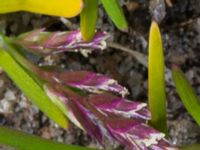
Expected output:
(31, 89)
(115, 12)
(157, 97)
(186, 93)
(191, 147)
(89, 19)
(21, 141)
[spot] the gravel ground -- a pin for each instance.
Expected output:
(180, 27)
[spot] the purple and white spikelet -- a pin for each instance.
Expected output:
(92, 101)
(111, 119)
(84, 80)
(41, 42)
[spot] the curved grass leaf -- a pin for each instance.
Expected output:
(89, 19)
(115, 12)
(157, 96)
(186, 93)
(31, 89)
(23, 141)
(65, 8)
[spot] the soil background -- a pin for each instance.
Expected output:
(180, 27)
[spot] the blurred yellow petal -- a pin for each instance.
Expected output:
(64, 8)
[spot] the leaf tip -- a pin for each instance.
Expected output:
(154, 26)
(125, 29)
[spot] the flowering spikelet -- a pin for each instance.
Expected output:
(92, 101)
(104, 116)
(41, 42)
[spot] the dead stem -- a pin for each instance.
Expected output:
(141, 58)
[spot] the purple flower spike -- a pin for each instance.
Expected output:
(137, 135)
(86, 120)
(88, 81)
(41, 42)
(111, 119)
(105, 117)
(119, 106)
(81, 113)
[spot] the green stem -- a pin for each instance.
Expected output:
(23, 141)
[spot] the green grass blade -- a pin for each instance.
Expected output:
(186, 93)
(23, 141)
(191, 147)
(157, 95)
(31, 89)
(89, 19)
(115, 12)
